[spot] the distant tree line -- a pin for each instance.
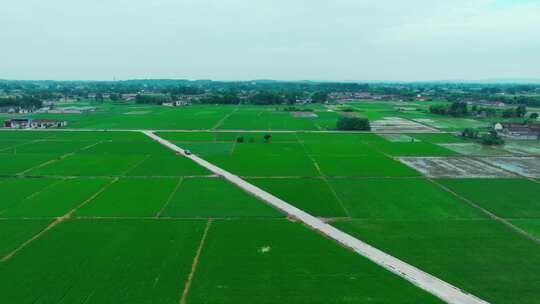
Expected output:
(519, 112)
(461, 109)
(24, 102)
(455, 109)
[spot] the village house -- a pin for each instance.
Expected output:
(128, 97)
(25, 123)
(47, 123)
(518, 130)
(72, 110)
(177, 103)
(18, 123)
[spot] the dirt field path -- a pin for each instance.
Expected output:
(224, 131)
(435, 286)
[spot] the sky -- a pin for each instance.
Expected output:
(340, 40)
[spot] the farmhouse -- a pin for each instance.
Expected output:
(177, 103)
(47, 123)
(518, 130)
(18, 123)
(128, 97)
(24, 123)
(72, 110)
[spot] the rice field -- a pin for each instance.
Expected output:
(279, 261)
(482, 257)
(114, 217)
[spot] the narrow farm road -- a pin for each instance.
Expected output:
(222, 131)
(435, 286)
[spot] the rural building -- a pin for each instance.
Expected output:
(72, 110)
(177, 103)
(18, 123)
(128, 97)
(47, 123)
(24, 123)
(518, 130)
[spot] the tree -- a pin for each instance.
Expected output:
(491, 139)
(509, 113)
(353, 124)
(320, 97)
(266, 98)
(152, 98)
(240, 139)
(521, 110)
(470, 133)
(267, 137)
(534, 116)
(458, 109)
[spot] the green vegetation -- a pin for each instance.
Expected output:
(131, 198)
(487, 139)
(17, 163)
(213, 197)
(347, 123)
(314, 196)
(531, 226)
(135, 237)
(90, 165)
(456, 109)
(520, 112)
(491, 139)
(167, 166)
(16, 232)
(14, 190)
(142, 261)
(55, 200)
(508, 198)
(392, 199)
(279, 261)
(482, 257)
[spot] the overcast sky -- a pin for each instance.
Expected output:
(270, 39)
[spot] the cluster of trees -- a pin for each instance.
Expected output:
(483, 111)
(229, 97)
(519, 111)
(346, 123)
(488, 139)
(266, 98)
(152, 98)
(266, 138)
(455, 109)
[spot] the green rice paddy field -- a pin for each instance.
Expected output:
(114, 217)
(110, 115)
